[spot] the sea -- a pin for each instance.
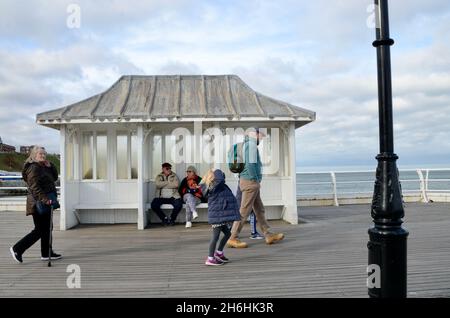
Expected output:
(357, 180)
(317, 182)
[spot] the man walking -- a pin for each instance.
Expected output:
(250, 185)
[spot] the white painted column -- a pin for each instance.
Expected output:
(62, 171)
(69, 189)
(290, 213)
(142, 216)
(111, 153)
(75, 193)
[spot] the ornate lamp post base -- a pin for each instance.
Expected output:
(387, 239)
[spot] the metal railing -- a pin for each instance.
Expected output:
(10, 179)
(422, 179)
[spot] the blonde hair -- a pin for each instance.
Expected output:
(33, 153)
(209, 177)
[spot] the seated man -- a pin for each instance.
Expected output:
(167, 184)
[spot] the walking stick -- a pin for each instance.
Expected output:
(50, 238)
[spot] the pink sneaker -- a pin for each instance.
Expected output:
(213, 262)
(221, 257)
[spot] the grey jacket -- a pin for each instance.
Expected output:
(167, 184)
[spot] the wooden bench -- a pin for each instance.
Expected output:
(170, 206)
(109, 213)
(205, 205)
(126, 212)
(203, 216)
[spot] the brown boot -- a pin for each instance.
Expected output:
(236, 243)
(274, 237)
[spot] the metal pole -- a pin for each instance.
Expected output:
(387, 238)
(50, 238)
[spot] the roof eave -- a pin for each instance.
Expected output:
(52, 122)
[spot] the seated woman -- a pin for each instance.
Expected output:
(191, 193)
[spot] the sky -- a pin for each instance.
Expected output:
(314, 54)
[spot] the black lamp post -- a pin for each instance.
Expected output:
(387, 238)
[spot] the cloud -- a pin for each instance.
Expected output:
(44, 22)
(177, 67)
(40, 80)
(316, 55)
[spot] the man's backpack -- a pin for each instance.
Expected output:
(236, 158)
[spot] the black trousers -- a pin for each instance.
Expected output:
(41, 231)
(177, 206)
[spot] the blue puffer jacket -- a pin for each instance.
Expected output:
(222, 205)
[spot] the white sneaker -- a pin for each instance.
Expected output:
(188, 224)
(194, 215)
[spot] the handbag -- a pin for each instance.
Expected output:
(43, 208)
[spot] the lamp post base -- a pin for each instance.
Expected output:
(387, 249)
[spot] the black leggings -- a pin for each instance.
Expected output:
(215, 237)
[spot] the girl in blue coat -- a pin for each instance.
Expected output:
(222, 212)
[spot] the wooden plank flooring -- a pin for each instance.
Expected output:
(324, 257)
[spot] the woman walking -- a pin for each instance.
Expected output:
(40, 176)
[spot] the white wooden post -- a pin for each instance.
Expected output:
(111, 151)
(69, 195)
(129, 135)
(76, 157)
(142, 216)
(163, 146)
(290, 213)
(94, 155)
(62, 179)
(77, 176)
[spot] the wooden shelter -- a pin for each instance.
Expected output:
(112, 144)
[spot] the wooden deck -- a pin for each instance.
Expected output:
(324, 257)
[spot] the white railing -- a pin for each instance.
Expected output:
(13, 178)
(423, 179)
(423, 189)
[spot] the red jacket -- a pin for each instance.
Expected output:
(190, 186)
